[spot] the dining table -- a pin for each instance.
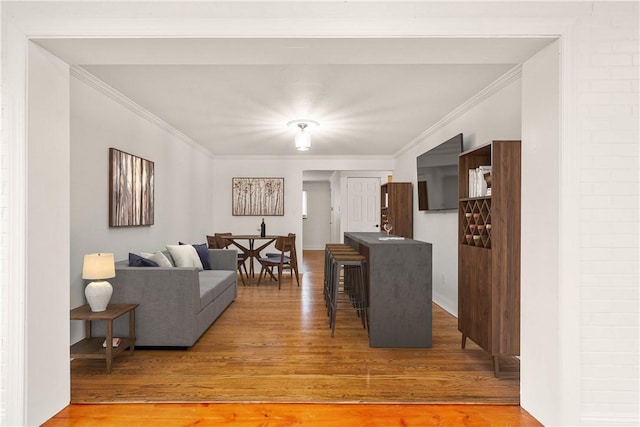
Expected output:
(249, 248)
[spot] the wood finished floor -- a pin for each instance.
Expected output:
(274, 345)
(292, 414)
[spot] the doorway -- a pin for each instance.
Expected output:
(363, 206)
(316, 224)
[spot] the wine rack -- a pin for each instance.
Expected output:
(489, 251)
(476, 226)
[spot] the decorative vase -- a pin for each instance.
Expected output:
(98, 295)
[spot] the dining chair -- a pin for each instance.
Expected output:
(212, 242)
(294, 255)
(218, 241)
(285, 259)
(277, 254)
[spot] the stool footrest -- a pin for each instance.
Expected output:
(345, 274)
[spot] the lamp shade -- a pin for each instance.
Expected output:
(303, 137)
(303, 141)
(98, 266)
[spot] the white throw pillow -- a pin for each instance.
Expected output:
(158, 258)
(185, 256)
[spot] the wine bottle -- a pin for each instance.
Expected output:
(263, 229)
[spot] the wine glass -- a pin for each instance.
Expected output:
(387, 227)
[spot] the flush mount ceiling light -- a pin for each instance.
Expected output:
(303, 138)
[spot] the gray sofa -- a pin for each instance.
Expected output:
(177, 304)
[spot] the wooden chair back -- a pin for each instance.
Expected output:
(217, 241)
(283, 243)
(222, 240)
(211, 242)
(294, 253)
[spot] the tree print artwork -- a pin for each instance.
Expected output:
(258, 196)
(131, 189)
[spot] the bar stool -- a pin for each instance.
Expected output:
(352, 266)
(329, 248)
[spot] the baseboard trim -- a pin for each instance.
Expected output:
(446, 304)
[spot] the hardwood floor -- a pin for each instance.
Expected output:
(292, 414)
(275, 346)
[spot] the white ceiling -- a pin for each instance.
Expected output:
(235, 96)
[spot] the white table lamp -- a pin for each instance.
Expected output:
(98, 267)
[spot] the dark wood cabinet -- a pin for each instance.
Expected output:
(396, 208)
(489, 251)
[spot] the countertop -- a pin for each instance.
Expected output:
(374, 239)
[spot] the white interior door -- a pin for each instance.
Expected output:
(363, 195)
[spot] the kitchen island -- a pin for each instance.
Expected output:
(399, 272)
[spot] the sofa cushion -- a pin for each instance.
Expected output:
(185, 256)
(203, 253)
(213, 283)
(169, 257)
(138, 261)
(159, 258)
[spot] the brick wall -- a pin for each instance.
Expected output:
(4, 274)
(607, 82)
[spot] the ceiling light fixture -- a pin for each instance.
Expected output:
(303, 138)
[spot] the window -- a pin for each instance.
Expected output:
(304, 204)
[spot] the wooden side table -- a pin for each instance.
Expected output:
(91, 347)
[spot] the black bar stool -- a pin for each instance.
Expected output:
(329, 249)
(352, 266)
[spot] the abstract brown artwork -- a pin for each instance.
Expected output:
(258, 196)
(131, 187)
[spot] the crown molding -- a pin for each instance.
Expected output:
(117, 96)
(303, 157)
(503, 81)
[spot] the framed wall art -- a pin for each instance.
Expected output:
(257, 196)
(131, 190)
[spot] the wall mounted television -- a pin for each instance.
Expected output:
(438, 176)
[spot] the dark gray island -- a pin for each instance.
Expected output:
(399, 289)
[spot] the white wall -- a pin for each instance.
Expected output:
(290, 168)
(598, 238)
(540, 216)
(494, 116)
(224, 169)
(47, 380)
(183, 182)
(317, 224)
(336, 215)
(599, 302)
